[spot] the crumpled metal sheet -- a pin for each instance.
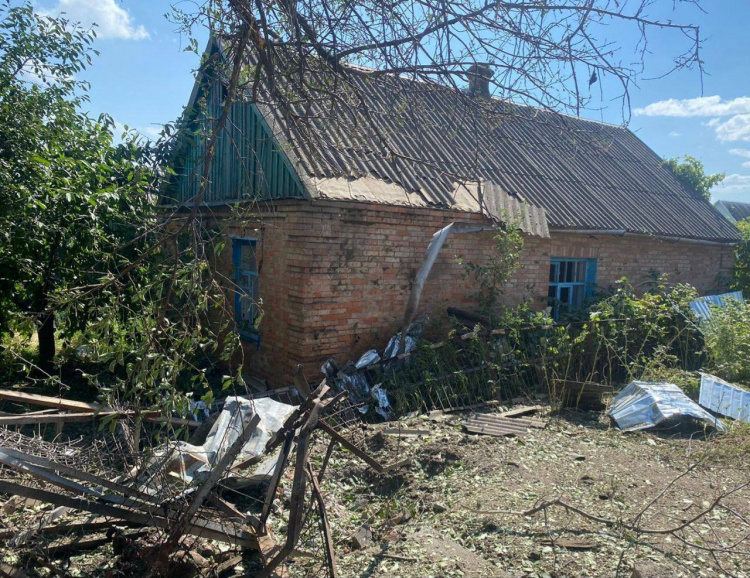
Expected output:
(645, 404)
(702, 306)
(724, 398)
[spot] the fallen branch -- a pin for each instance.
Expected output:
(543, 506)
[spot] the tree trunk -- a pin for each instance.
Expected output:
(46, 335)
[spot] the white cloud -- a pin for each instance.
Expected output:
(701, 106)
(675, 134)
(734, 184)
(112, 21)
(734, 129)
(744, 153)
(151, 132)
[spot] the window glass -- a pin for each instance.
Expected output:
(577, 297)
(247, 259)
(246, 288)
(570, 282)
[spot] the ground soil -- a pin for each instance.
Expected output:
(427, 520)
(452, 510)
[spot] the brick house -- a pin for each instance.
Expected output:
(343, 212)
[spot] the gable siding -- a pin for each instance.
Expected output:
(248, 164)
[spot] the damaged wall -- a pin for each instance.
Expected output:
(335, 276)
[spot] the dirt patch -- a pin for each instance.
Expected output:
(582, 461)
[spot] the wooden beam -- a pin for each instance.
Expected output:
(62, 403)
(26, 419)
(216, 473)
(327, 537)
(47, 401)
(81, 475)
(369, 460)
(9, 571)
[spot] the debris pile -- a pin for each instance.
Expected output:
(179, 489)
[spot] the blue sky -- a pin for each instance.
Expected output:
(143, 78)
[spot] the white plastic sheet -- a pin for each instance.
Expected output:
(189, 461)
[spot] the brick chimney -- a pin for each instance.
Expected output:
(480, 75)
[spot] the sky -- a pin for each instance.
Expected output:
(143, 78)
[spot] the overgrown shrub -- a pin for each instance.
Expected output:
(741, 271)
(629, 330)
(728, 342)
(621, 337)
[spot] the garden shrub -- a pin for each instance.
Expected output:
(728, 342)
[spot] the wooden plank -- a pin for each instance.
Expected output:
(47, 401)
(81, 475)
(510, 422)
(501, 425)
(523, 410)
(8, 571)
(228, 565)
(369, 460)
(68, 528)
(277, 472)
(82, 544)
(327, 537)
(60, 418)
(61, 403)
(202, 528)
(487, 430)
(395, 431)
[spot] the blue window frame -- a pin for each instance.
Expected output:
(571, 281)
(246, 295)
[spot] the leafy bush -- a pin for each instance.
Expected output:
(728, 342)
(629, 331)
(741, 271)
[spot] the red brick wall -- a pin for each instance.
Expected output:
(335, 276)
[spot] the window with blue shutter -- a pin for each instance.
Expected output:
(571, 281)
(246, 295)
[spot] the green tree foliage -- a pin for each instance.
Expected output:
(689, 170)
(491, 276)
(741, 279)
(68, 196)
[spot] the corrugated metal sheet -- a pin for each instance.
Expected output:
(724, 398)
(702, 306)
(644, 404)
(733, 211)
(504, 208)
(425, 138)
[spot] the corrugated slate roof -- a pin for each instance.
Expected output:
(734, 211)
(429, 139)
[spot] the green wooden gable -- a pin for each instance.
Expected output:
(249, 163)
